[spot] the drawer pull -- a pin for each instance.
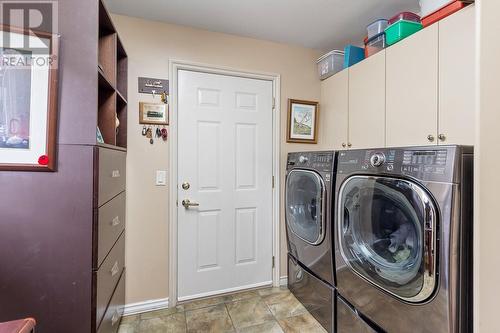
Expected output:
(115, 221)
(115, 269)
(115, 318)
(115, 174)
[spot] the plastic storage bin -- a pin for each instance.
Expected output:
(376, 27)
(443, 12)
(406, 16)
(330, 63)
(427, 7)
(353, 55)
(375, 44)
(400, 30)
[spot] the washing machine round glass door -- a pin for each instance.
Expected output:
(304, 200)
(387, 234)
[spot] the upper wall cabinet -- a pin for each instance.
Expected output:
(412, 90)
(334, 109)
(417, 92)
(367, 103)
(457, 78)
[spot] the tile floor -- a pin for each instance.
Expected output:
(259, 311)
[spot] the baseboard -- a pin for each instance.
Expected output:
(146, 306)
(283, 280)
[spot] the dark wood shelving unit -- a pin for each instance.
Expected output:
(113, 79)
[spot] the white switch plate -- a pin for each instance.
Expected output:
(161, 178)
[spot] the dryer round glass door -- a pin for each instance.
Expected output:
(305, 211)
(387, 234)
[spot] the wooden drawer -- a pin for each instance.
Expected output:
(106, 278)
(109, 224)
(114, 312)
(111, 171)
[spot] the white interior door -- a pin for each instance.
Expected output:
(225, 155)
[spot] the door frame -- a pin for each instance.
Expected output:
(174, 67)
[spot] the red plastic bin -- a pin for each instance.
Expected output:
(443, 12)
(407, 16)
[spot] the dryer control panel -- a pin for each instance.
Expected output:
(426, 163)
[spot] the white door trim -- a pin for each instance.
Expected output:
(174, 67)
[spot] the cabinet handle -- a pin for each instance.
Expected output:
(349, 145)
(343, 144)
(115, 174)
(442, 137)
(115, 269)
(115, 221)
(430, 137)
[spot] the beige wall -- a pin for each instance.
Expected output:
(487, 181)
(150, 45)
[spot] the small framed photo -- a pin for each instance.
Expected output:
(153, 113)
(28, 99)
(302, 121)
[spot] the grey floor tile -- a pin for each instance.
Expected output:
(286, 305)
(206, 302)
(173, 323)
(249, 312)
(130, 319)
(267, 327)
(301, 324)
(242, 295)
(128, 327)
(209, 319)
(272, 290)
(162, 313)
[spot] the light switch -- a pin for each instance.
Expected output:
(161, 178)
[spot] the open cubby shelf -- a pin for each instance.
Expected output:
(112, 74)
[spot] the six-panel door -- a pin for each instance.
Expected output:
(225, 168)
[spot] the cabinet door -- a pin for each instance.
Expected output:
(412, 90)
(457, 78)
(367, 103)
(334, 110)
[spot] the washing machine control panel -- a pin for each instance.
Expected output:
(319, 161)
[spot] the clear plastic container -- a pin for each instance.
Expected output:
(330, 63)
(407, 16)
(375, 44)
(376, 27)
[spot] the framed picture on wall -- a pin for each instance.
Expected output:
(153, 113)
(302, 121)
(28, 99)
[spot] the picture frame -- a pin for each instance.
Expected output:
(302, 123)
(153, 113)
(29, 91)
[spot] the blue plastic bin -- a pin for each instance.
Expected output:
(353, 55)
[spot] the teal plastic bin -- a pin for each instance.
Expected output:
(400, 30)
(353, 55)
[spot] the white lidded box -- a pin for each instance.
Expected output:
(428, 7)
(330, 63)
